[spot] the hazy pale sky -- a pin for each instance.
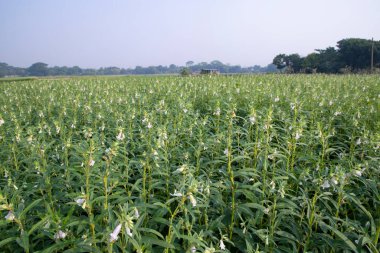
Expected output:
(126, 33)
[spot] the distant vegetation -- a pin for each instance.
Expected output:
(351, 55)
(42, 69)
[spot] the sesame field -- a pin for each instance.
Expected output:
(264, 163)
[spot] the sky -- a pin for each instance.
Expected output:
(129, 33)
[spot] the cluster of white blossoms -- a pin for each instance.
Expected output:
(326, 184)
(190, 196)
(1, 121)
(298, 134)
(114, 236)
(182, 169)
(176, 194)
(217, 112)
(60, 235)
(336, 179)
(146, 121)
(358, 173)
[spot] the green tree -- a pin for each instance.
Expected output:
(292, 62)
(280, 61)
(38, 69)
(185, 72)
(329, 61)
(311, 62)
(3, 69)
(356, 53)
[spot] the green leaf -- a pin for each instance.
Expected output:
(357, 202)
(148, 230)
(33, 204)
(8, 240)
(340, 235)
(154, 241)
(37, 225)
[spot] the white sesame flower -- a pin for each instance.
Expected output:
(277, 99)
(193, 201)
(185, 110)
(298, 135)
(176, 194)
(114, 235)
(217, 112)
(60, 235)
(252, 119)
(193, 249)
(358, 142)
(357, 173)
(91, 162)
(149, 125)
(209, 250)
(282, 191)
(120, 136)
(81, 202)
(325, 184)
(292, 106)
(334, 181)
(137, 215)
(10, 216)
(225, 152)
(181, 169)
(47, 225)
(221, 244)
(273, 185)
(337, 113)
(129, 232)
(1, 121)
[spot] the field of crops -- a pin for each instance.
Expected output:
(267, 163)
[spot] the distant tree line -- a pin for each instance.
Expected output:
(350, 55)
(42, 69)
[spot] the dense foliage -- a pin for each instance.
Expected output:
(351, 55)
(42, 69)
(274, 163)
